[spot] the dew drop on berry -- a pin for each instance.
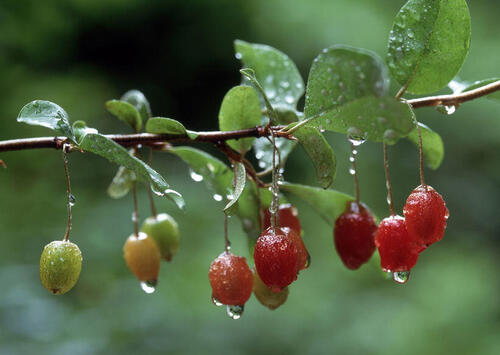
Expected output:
(401, 277)
(235, 312)
(216, 302)
(148, 286)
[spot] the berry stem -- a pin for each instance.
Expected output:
(150, 193)
(261, 212)
(388, 181)
(355, 171)
(68, 186)
(135, 213)
(420, 151)
(227, 243)
(275, 219)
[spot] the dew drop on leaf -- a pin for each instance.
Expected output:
(355, 136)
(196, 177)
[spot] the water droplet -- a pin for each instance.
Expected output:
(352, 159)
(450, 110)
(352, 171)
(217, 197)
(401, 277)
(72, 200)
(149, 286)
(390, 136)
(217, 302)
(285, 84)
(289, 99)
(235, 312)
(135, 217)
(238, 55)
(196, 177)
(355, 136)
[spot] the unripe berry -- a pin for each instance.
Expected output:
(142, 257)
(288, 216)
(60, 266)
(266, 297)
(276, 259)
(231, 279)
(164, 231)
(425, 214)
(354, 235)
(398, 251)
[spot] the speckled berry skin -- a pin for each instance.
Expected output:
(398, 251)
(276, 259)
(289, 217)
(265, 296)
(231, 279)
(60, 266)
(425, 214)
(303, 259)
(354, 235)
(143, 257)
(164, 231)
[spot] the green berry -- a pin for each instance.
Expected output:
(60, 266)
(266, 297)
(164, 231)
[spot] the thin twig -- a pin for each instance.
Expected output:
(388, 181)
(355, 171)
(227, 243)
(68, 191)
(135, 213)
(150, 192)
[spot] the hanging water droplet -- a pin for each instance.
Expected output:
(149, 286)
(135, 216)
(401, 277)
(196, 177)
(216, 302)
(352, 159)
(355, 136)
(352, 171)
(235, 312)
(308, 261)
(450, 110)
(72, 200)
(238, 55)
(217, 197)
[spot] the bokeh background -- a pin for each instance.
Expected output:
(80, 53)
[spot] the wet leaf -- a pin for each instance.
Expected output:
(165, 125)
(126, 112)
(122, 183)
(139, 101)
(239, 181)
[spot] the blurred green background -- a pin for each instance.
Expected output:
(80, 53)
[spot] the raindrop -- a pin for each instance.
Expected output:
(235, 312)
(289, 99)
(450, 110)
(149, 286)
(285, 84)
(401, 277)
(355, 136)
(135, 217)
(72, 200)
(352, 159)
(238, 55)
(217, 197)
(196, 177)
(308, 261)
(217, 302)
(352, 171)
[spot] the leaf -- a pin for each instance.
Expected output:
(495, 95)
(239, 180)
(115, 153)
(240, 109)
(47, 114)
(122, 183)
(428, 43)
(342, 74)
(139, 101)
(125, 112)
(320, 152)
(275, 71)
(432, 145)
(329, 204)
(264, 151)
(382, 119)
(165, 125)
(213, 172)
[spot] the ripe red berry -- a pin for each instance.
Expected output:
(231, 279)
(289, 217)
(398, 251)
(276, 258)
(303, 258)
(425, 214)
(354, 235)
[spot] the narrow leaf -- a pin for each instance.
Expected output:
(125, 112)
(239, 180)
(432, 145)
(320, 152)
(495, 95)
(428, 43)
(139, 101)
(275, 71)
(122, 183)
(47, 114)
(240, 109)
(165, 125)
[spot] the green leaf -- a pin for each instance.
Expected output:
(165, 125)
(329, 204)
(139, 101)
(341, 74)
(47, 114)
(125, 112)
(264, 151)
(122, 183)
(211, 170)
(115, 153)
(428, 43)
(432, 145)
(240, 109)
(495, 95)
(274, 70)
(239, 180)
(382, 119)
(320, 153)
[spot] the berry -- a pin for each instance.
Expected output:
(303, 258)
(354, 235)
(288, 218)
(425, 214)
(276, 258)
(60, 266)
(142, 257)
(398, 251)
(266, 297)
(231, 279)
(164, 231)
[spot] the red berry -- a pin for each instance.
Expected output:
(289, 217)
(276, 258)
(303, 258)
(354, 235)
(425, 214)
(231, 279)
(398, 251)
